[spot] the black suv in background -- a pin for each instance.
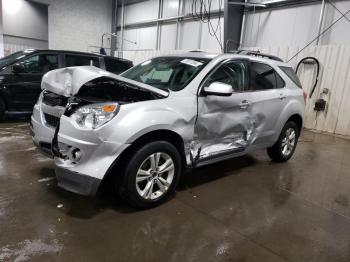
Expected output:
(21, 74)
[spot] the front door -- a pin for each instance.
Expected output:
(224, 124)
(25, 86)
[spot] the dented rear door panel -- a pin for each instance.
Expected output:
(266, 106)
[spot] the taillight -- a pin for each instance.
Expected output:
(305, 96)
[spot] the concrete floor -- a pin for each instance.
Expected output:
(246, 209)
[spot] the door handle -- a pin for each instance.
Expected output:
(282, 96)
(244, 104)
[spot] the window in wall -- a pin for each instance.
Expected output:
(40, 64)
(76, 60)
(264, 77)
(232, 73)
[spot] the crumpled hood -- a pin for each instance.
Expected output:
(68, 81)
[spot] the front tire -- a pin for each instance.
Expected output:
(284, 148)
(151, 175)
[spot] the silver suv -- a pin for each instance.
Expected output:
(145, 127)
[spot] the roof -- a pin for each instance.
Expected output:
(72, 52)
(269, 59)
(195, 54)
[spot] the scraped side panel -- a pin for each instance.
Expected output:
(223, 126)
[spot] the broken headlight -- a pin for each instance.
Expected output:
(95, 115)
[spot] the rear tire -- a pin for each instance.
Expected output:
(151, 175)
(285, 146)
(2, 109)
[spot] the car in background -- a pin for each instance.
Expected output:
(143, 127)
(21, 74)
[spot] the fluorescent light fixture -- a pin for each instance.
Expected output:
(11, 6)
(273, 2)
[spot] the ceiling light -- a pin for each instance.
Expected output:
(12, 6)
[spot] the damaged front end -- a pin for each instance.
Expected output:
(79, 101)
(95, 102)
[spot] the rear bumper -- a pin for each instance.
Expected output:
(77, 183)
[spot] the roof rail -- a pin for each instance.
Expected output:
(258, 54)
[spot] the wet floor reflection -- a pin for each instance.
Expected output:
(245, 209)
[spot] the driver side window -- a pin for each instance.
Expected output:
(233, 73)
(40, 64)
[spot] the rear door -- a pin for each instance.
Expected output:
(224, 124)
(267, 100)
(25, 87)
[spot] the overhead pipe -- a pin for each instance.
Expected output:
(160, 15)
(279, 3)
(178, 25)
(122, 28)
(321, 21)
(173, 19)
(248, 4)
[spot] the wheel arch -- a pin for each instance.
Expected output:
(152, 136)
(296, 118)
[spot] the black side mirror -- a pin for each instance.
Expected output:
(18, 69)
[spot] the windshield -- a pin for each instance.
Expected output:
(10, 59)
(172, 73)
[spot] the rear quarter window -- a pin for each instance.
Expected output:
(291, 74)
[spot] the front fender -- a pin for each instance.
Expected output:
(137, 119)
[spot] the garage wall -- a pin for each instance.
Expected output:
(193, 34)
(76, 24)
(25, 25)
(295, 26)
(28, 20)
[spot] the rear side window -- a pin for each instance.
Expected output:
(291, 74)
(76, 60)
(115, 66)
(264, 77)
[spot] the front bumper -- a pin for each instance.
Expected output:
(97, 155)
(77, 183)
(42, 133)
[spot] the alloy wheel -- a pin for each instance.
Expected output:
(155, 176)
(288, 142)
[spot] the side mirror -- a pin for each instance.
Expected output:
(218, 89)
(18, 68)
